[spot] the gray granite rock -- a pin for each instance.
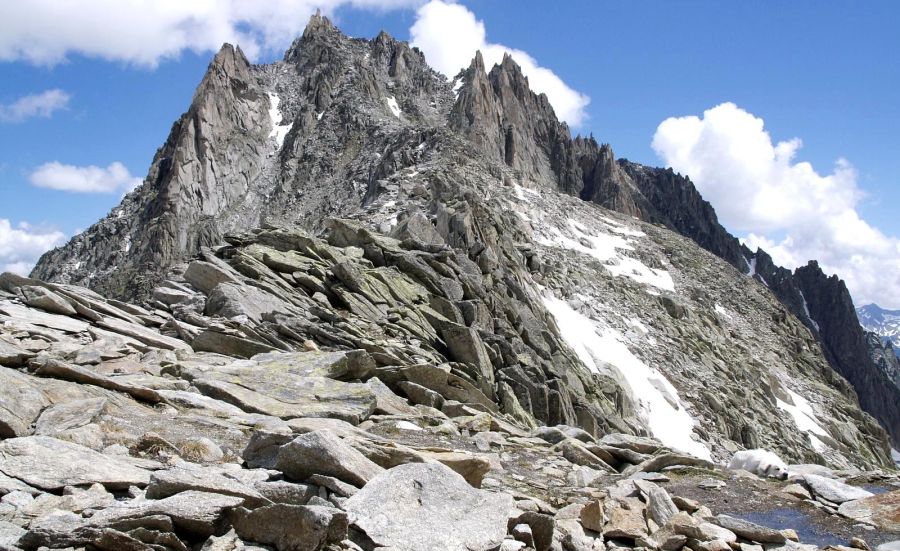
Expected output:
(291, 527)
(321, 452)
(428, 506)
(52, 464)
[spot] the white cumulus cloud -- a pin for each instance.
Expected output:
(41, 105)
(449, 35)
(772, 200)
(22, 244)
(84, 179)
(144, 32)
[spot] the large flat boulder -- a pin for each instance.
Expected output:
(69, 415)
(229, 300)
(195, 514)
(339, 365)
(21, 401)
(228, 344)
(187, 477)
(429, 506)
(12, 355)
(143, 334)
(36, 317)
(321, 452)
(291, 527)
(47, 300)
(204, 276)
(467, 347)
(749, 530)
(882, 510)
(51, 464)
(293, 385)
(49, 367)
(833, 490)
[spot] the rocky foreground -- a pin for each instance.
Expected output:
(206, 421)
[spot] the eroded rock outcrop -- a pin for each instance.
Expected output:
(360, 313)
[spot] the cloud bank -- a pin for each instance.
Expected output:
(144, 32)
(785, 206)
(84, 179)
(41, 105)
(449, 35)
(21, 245)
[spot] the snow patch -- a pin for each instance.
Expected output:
(895, 455)
(722, 311)
(521, 191)
(604, 247)
(657, 399)
(406, 425)
(806, 311)
(320, 115)
(457, 86)
(637, 324)
(279, 131)
(392, 105)
(805, 418)
(622, 229)
(636, 270)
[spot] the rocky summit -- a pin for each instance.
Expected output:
(355, 305)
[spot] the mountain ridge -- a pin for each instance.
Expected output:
(360, 113)
(357, 306)
(881, 321)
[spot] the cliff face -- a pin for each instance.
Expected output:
(208, 168)
(884, 355)
(548, 283)
(824, 305)
(845, 343)
(295, 140)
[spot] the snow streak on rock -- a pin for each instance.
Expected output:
(605, 248)
(392, 105)
(805, 418)
(279, 131)
(666, 416)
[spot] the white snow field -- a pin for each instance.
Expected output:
(658, 400)
(805, 418)
(279, 131)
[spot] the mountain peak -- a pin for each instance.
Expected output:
(319, 29)
(366, 131)
(318, 25)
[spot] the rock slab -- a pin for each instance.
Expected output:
(429, 506)
(52, 464)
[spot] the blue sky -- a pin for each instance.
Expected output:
(824, 72)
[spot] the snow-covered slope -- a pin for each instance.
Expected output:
(882, 322)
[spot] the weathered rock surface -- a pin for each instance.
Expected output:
(322, 452)
(428, 506)
(21, 401)
(749, 530)
(52, 464)
(881, 510)
(291, 527)
(832, 490)
(185, 478)
(359, 313)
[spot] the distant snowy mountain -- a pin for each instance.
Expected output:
(885, 323)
